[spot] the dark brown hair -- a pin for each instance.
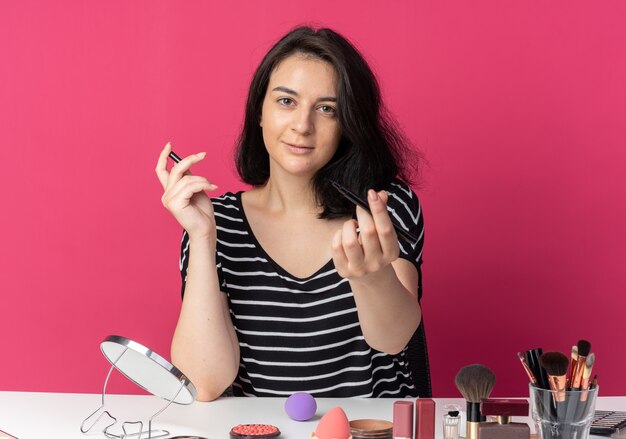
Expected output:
(372, 151)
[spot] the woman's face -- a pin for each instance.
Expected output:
(299, 116)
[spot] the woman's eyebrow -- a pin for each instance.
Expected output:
(295, 93)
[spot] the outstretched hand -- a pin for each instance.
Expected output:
(373, 248)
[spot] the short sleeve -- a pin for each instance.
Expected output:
(404, 207)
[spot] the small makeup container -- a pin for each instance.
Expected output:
(403, 420)
(503, 428)
(424, 418)
(451, 424)
(256, 431)
(371, 429)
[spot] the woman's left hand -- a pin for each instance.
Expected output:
(376, 246)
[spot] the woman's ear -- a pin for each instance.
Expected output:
(261, 120)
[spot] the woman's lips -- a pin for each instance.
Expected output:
(299, 149)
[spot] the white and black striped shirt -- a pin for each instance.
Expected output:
(303, 334)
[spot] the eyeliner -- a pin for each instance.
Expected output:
(174, 157)
(354, 198)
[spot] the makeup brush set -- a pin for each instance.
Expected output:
(553, 371)
(562, 392)
(569, 384)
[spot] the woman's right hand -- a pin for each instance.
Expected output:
(184, 195)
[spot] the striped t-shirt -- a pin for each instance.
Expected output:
(303, 335)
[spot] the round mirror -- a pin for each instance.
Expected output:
(148, 369)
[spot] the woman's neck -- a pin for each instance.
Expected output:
(290, 195)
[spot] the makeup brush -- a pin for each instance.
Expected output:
(584, 347)
(529, 372)
(572, 366)
(555, 364)
(475, 382)
(582, 404)
(591, 359)
(532, 359)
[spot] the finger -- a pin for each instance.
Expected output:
(383, 196)
(351, 246)
(182, 196)
(388, 240)
(179, 169)
(368, 235)
(181, 185)
(339, 257)
(161, 166)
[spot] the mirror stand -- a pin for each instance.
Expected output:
(143, 357)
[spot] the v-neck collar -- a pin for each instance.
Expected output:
(328, 265)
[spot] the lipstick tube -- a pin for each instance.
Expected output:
(424, 418)
(403, 420)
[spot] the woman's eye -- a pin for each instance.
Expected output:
(327, 109)
(285, 101)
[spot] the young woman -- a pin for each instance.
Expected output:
(288, 287)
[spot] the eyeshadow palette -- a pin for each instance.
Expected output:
(607, 422)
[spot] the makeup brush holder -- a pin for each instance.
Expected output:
(562, 415)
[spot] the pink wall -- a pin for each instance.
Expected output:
(519, 107)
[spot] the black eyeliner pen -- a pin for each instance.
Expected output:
(406, 236)
(174, 157)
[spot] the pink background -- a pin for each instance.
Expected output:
(519, 107)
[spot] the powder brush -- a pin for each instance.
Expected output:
(555, 364)
(475, 382)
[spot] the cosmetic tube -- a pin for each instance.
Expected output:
(424, 418)
(403, 420)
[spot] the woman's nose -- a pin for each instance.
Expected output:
(302, 121)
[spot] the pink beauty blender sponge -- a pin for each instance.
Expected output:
(300, 406)
(333, 425)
